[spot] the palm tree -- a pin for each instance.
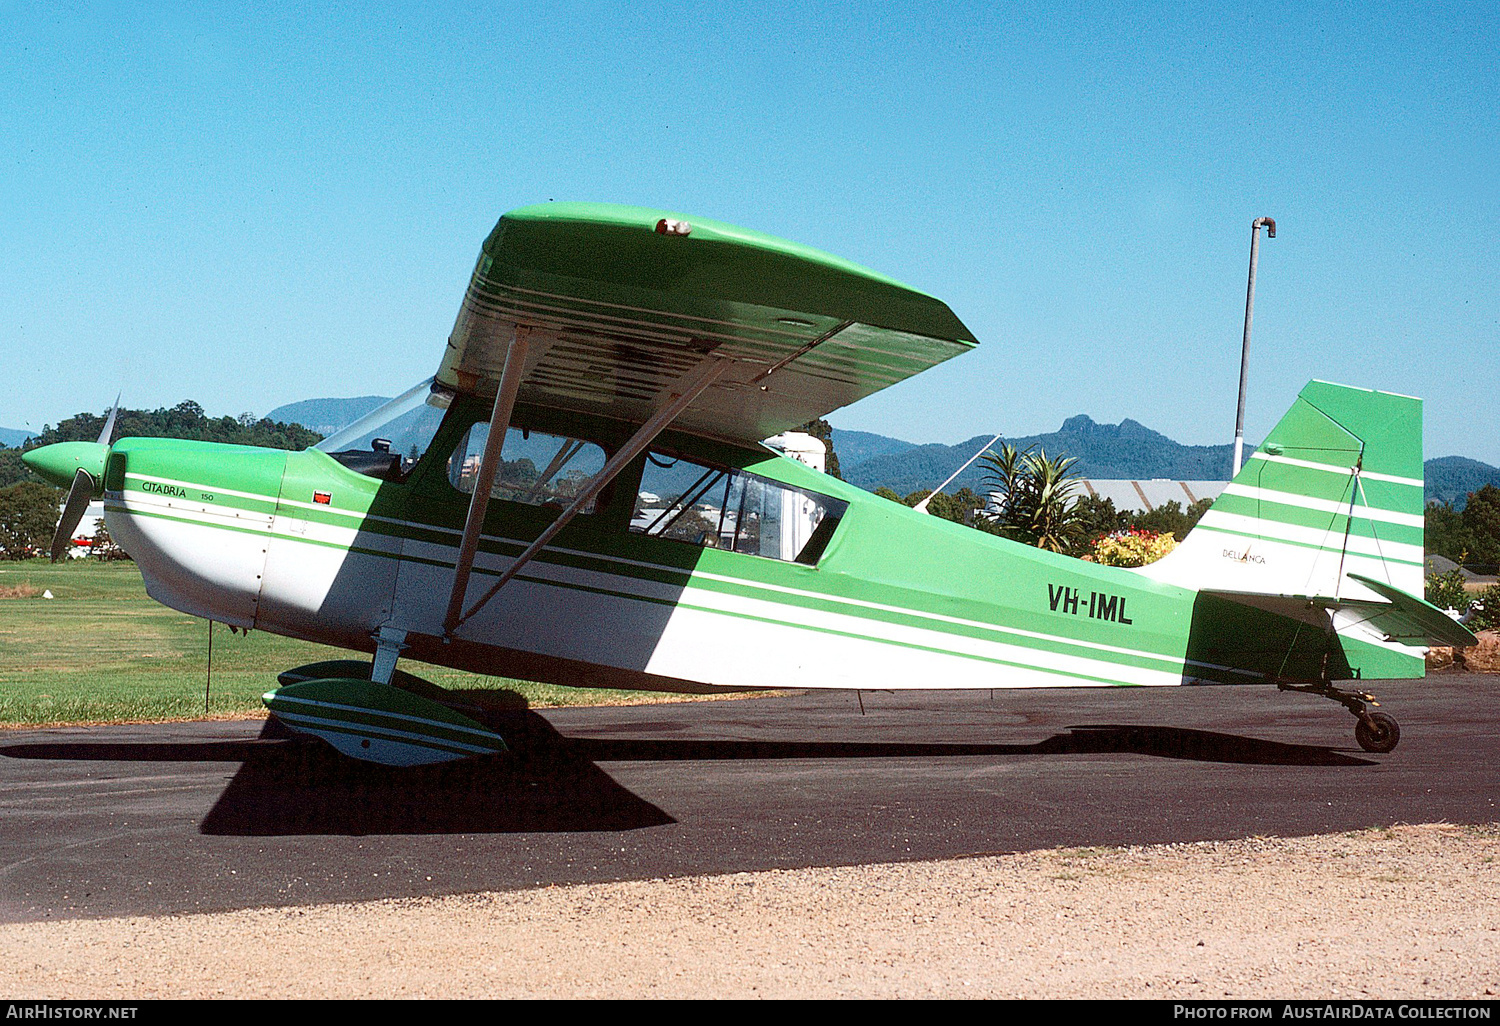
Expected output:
(1005, 480)
(1038, 497)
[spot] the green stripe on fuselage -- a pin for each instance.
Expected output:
(744, 576)
(880, 569)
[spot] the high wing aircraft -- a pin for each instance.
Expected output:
(580, 495)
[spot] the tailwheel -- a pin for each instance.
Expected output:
(1377, 732)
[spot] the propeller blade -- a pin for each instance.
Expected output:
(109, 425)
(73, 510)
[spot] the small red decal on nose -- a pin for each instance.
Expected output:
(322, 498)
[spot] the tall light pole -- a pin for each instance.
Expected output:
(1239, 416)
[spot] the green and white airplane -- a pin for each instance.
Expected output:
(581, 495)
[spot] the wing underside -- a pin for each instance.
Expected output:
(617, 311)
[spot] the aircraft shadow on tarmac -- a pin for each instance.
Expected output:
(552, 783)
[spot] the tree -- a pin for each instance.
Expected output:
(1005, 477)
(1038, 498)
(12, 470)
(823, 432)
(29, 512)
(1099, 516)
(1481, 518)
(1446, 534)
(959, 507)
(969, 504)
(185, 420)
(1171, 517)
(1487, 616)
(103, 546)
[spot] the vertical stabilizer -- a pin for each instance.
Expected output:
(1336, 488)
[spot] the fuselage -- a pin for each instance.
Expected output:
(298, 544)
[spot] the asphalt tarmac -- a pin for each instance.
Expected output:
(183, 817)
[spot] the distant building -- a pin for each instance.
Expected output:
(802, 447)
(1141, 496)
(1144, 496)
(1477, 578)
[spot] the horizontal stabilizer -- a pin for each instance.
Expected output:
(1403, 619)
(1412, 620)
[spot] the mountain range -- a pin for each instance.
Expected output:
(325, 416)
(1127, 450)
(1451, 478)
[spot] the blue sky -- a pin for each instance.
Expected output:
(247, 205)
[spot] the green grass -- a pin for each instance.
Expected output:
(101, 650)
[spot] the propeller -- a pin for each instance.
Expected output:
(79, 494)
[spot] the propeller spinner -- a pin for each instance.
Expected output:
(81, 466)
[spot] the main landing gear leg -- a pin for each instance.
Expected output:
(1375, 731)
(389, 644)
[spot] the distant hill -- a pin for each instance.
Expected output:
(856, 447)
(1451, 478)
(1126, 450)
(13, 437)
(325, 416)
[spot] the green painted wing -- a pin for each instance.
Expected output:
(629, 309)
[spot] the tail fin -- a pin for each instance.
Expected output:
(1335, 489)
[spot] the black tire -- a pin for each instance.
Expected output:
(1383, 738)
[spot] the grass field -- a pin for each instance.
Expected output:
(100, 650)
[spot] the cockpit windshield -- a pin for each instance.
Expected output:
(388, 441)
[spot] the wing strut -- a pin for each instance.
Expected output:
(489, 466)
(678, 397)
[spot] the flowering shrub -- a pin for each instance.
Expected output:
(1446, 591)
(1132, 547)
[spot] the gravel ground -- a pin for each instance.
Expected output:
(1409, 912)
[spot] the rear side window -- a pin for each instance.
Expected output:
(535, 468)
(724, 508)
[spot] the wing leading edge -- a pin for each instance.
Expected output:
(621, 302)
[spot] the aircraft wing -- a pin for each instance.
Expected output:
(1404, 618)
(628, 300)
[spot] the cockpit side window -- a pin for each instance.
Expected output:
(536, 468)
(726, 508)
